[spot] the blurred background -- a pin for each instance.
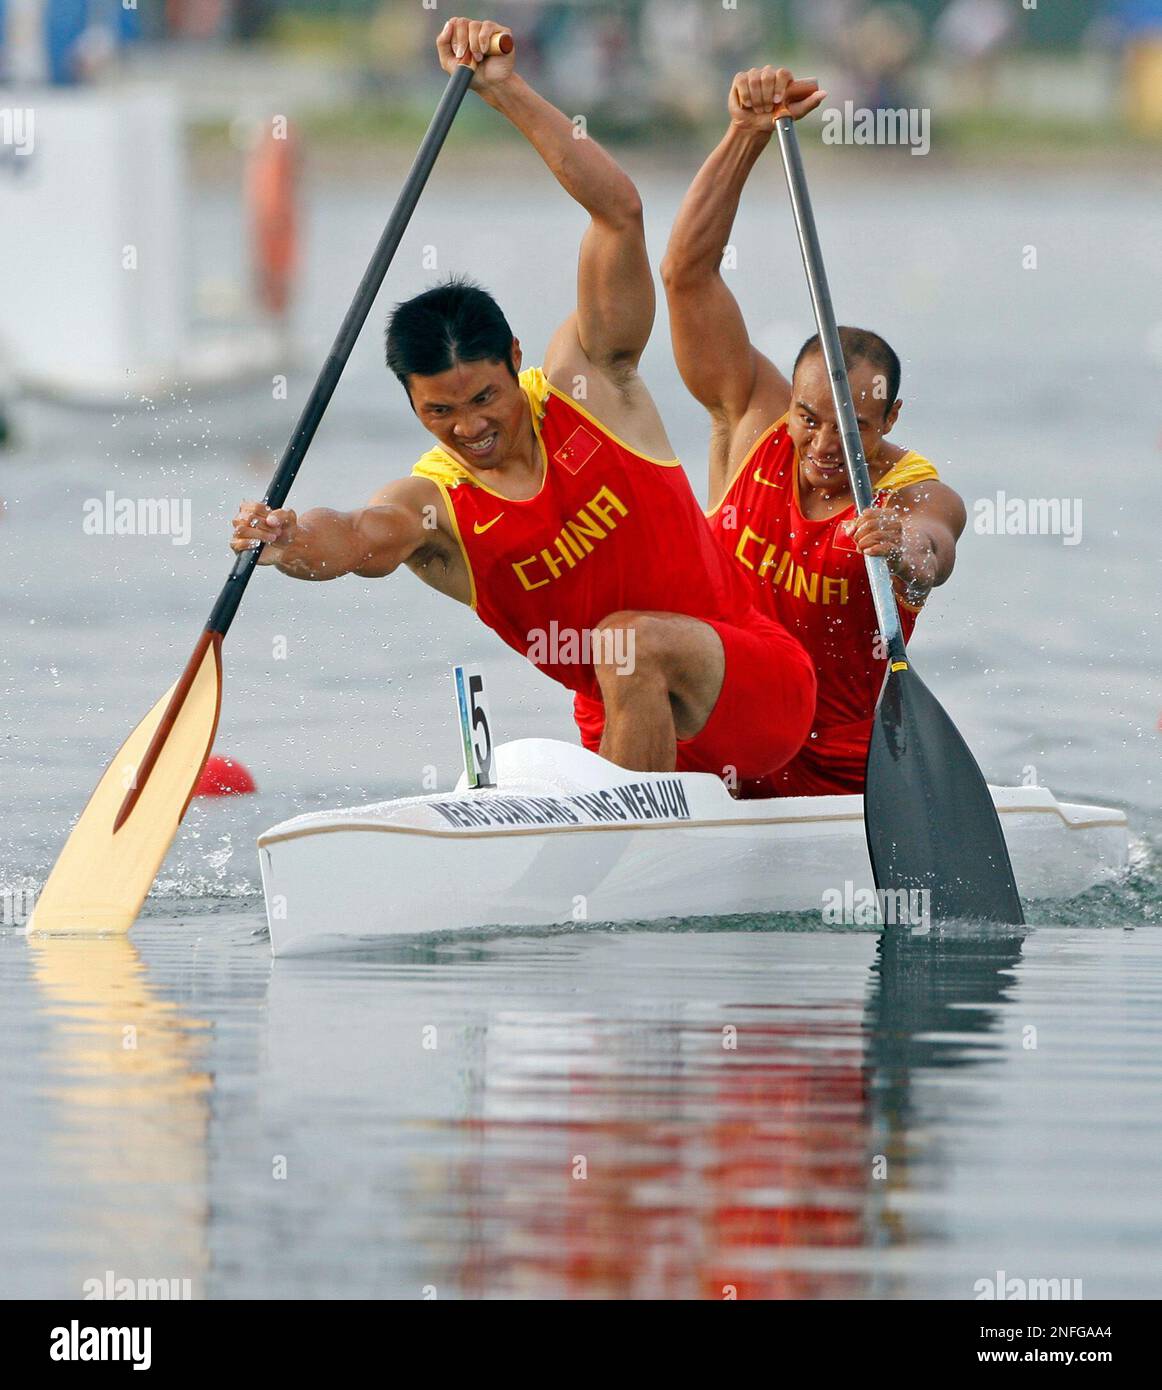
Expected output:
(1059, 71)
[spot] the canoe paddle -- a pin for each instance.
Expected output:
(110, 860)
(928, 813)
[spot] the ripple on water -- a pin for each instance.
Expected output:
(595, 1114)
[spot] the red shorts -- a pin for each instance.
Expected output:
(763, 711)
(831, 762)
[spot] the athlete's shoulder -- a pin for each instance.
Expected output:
(914, 485)
(752, 449)
(907, 471)
(561, 397)
(758, 434)
(439, 467)
(413, 492)
(537, 387)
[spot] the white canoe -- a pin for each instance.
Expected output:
(568, 837)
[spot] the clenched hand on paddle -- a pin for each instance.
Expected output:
(110, 860)
(928, 813)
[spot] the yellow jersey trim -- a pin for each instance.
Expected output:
(441, 468)
(609, 434)
(745, 464)
(911, 469)
(459, 538)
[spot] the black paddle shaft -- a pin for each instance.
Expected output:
(304, 431)
(929, 816)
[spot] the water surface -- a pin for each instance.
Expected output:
(635, 1113)
(626, 1114)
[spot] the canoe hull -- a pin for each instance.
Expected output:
(568, 838)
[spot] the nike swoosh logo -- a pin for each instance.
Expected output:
(766, 482)
(480, 530)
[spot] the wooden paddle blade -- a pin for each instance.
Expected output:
(931, 823)
(102, 877)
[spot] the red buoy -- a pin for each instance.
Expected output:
(224, 777)
(271, 187)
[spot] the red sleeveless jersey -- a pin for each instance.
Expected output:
(809, 576)
(610, 529)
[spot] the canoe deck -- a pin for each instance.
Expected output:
(567, 837)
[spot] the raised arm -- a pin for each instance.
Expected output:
(712, 348)
(615, 288)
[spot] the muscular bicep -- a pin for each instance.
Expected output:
(712, 349)
(616, 303)
(389, 530)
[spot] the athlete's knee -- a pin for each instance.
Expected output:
(629, 646)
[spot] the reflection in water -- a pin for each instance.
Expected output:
(125, 1069)
(672, 1166)
(667, 1156)
(934, 1000)
(574, 1116)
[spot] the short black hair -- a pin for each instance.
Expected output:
(862, 345)
(455, 321)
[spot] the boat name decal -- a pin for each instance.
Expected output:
(637, 801)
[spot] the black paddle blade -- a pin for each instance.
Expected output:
(931, 823)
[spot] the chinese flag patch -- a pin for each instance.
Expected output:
(840, 540)
(578, 449)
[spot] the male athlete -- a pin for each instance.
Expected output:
(553, 502)
(781, 505)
